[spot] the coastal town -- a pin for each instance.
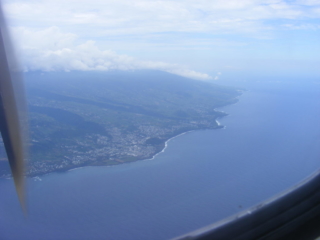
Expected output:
(120, 148)
(74, 125)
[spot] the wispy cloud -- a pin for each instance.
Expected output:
(145, 16)
(308, 2)
(302, 26)
(217, 76)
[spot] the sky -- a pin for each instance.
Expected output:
(200, 39)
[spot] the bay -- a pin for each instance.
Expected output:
(269, 144)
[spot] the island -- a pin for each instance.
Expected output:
(106, 118)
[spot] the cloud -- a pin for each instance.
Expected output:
(115, 17)
(197, 33)
(217, 76)
(53, 50)
(302, 26)
(308, 2)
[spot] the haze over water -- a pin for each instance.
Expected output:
(270, 143)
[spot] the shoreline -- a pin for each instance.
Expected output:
(165, 145)
(36, 177)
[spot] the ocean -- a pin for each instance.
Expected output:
(270, 143)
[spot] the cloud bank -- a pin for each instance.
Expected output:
(204, 34)
(53, 50)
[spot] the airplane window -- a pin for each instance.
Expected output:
(152, 119)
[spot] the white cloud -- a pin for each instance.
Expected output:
(193, 32)
(302, 26)
(308, 2)
(217, 76)
(147, 16)
(53, 50)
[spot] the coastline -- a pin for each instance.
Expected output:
(161, 150)
(72, 168)
(166, 145)
(37, 176)
(112, 165)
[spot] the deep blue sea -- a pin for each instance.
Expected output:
(270, 143)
